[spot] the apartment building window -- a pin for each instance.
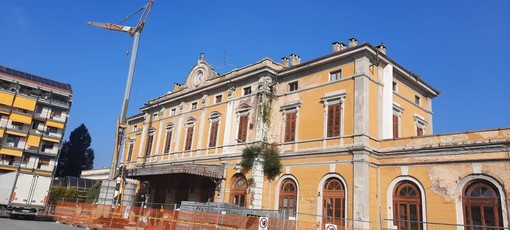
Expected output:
(38, 109)
(135, 127)
(168, 137)
(150, 139)
(51, 130)
(35, 125)
(290, 126)
(417, 99)
(55, 113)
(218, 98)
(247, 90)
(46, 147)
(17, 126)
(25, 160)
(293, 86)
(12, 141)
(172, 112)
(335, 75)
(194, 105)
(130, 151)
(9, 159)
(43, 162)
(395, 87)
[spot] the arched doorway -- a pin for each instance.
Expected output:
(288, 197)
(238, 190)
(481, 206)
(333, 203)
(407, 206)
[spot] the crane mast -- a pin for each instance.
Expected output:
(133, 31)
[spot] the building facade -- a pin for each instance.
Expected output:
(33, 115)
(355, 134)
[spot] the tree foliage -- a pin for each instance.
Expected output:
(270, 154)
(76, 154)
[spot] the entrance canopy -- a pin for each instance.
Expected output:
(212, 171)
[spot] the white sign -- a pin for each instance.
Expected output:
(330, 227)
(263, 223)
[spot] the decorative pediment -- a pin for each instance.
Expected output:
(200, 74)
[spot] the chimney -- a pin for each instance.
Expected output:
(294, 59)
(353, 42)
(338, 46)
(285, 62)
(381, 48)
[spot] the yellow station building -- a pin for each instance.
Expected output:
(355, 134)
(33, 115)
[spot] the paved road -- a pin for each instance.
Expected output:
(8, 224)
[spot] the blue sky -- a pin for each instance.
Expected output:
(460, 47)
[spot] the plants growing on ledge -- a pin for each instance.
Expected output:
(270, 155)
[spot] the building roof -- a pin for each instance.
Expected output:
(36, 79)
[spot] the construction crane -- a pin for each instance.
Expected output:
(133, 31)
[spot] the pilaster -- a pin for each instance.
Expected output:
(361, 189)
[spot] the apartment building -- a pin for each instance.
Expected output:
(355, 134)
(33, 115)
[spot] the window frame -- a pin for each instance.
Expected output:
(247, 90)
(329, 102)
(408, 202)
(214, 127)
(397, 117)
(335, 75)
(169, 129)
(238, 194)
(150, 142)
(293, 86)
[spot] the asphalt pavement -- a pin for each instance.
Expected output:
(37, 224)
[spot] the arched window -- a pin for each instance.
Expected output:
(333, 203)
(482, 207)
(288, 197)
(407, 206)
(238, 190)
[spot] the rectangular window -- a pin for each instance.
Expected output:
(51, 130)
(395, 126)
(47, 146)
(293, 86)
(130, 151)
(172, 112)
(243, 128)
(213, 136)
(55, 113)
(194, 105)
(168, 141)
(394, 87)
(12, 141)
(17, 126)
(218, 98)
(417, 100)
(155, 116)
(290, 126)
(149, 145)
(135, 127)
(26, 159)
(419, 131)
(9, 159)
(35, 125)
(189, 139)
(334, 119)
(335, 75)
(247, 90)
(43, 162)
